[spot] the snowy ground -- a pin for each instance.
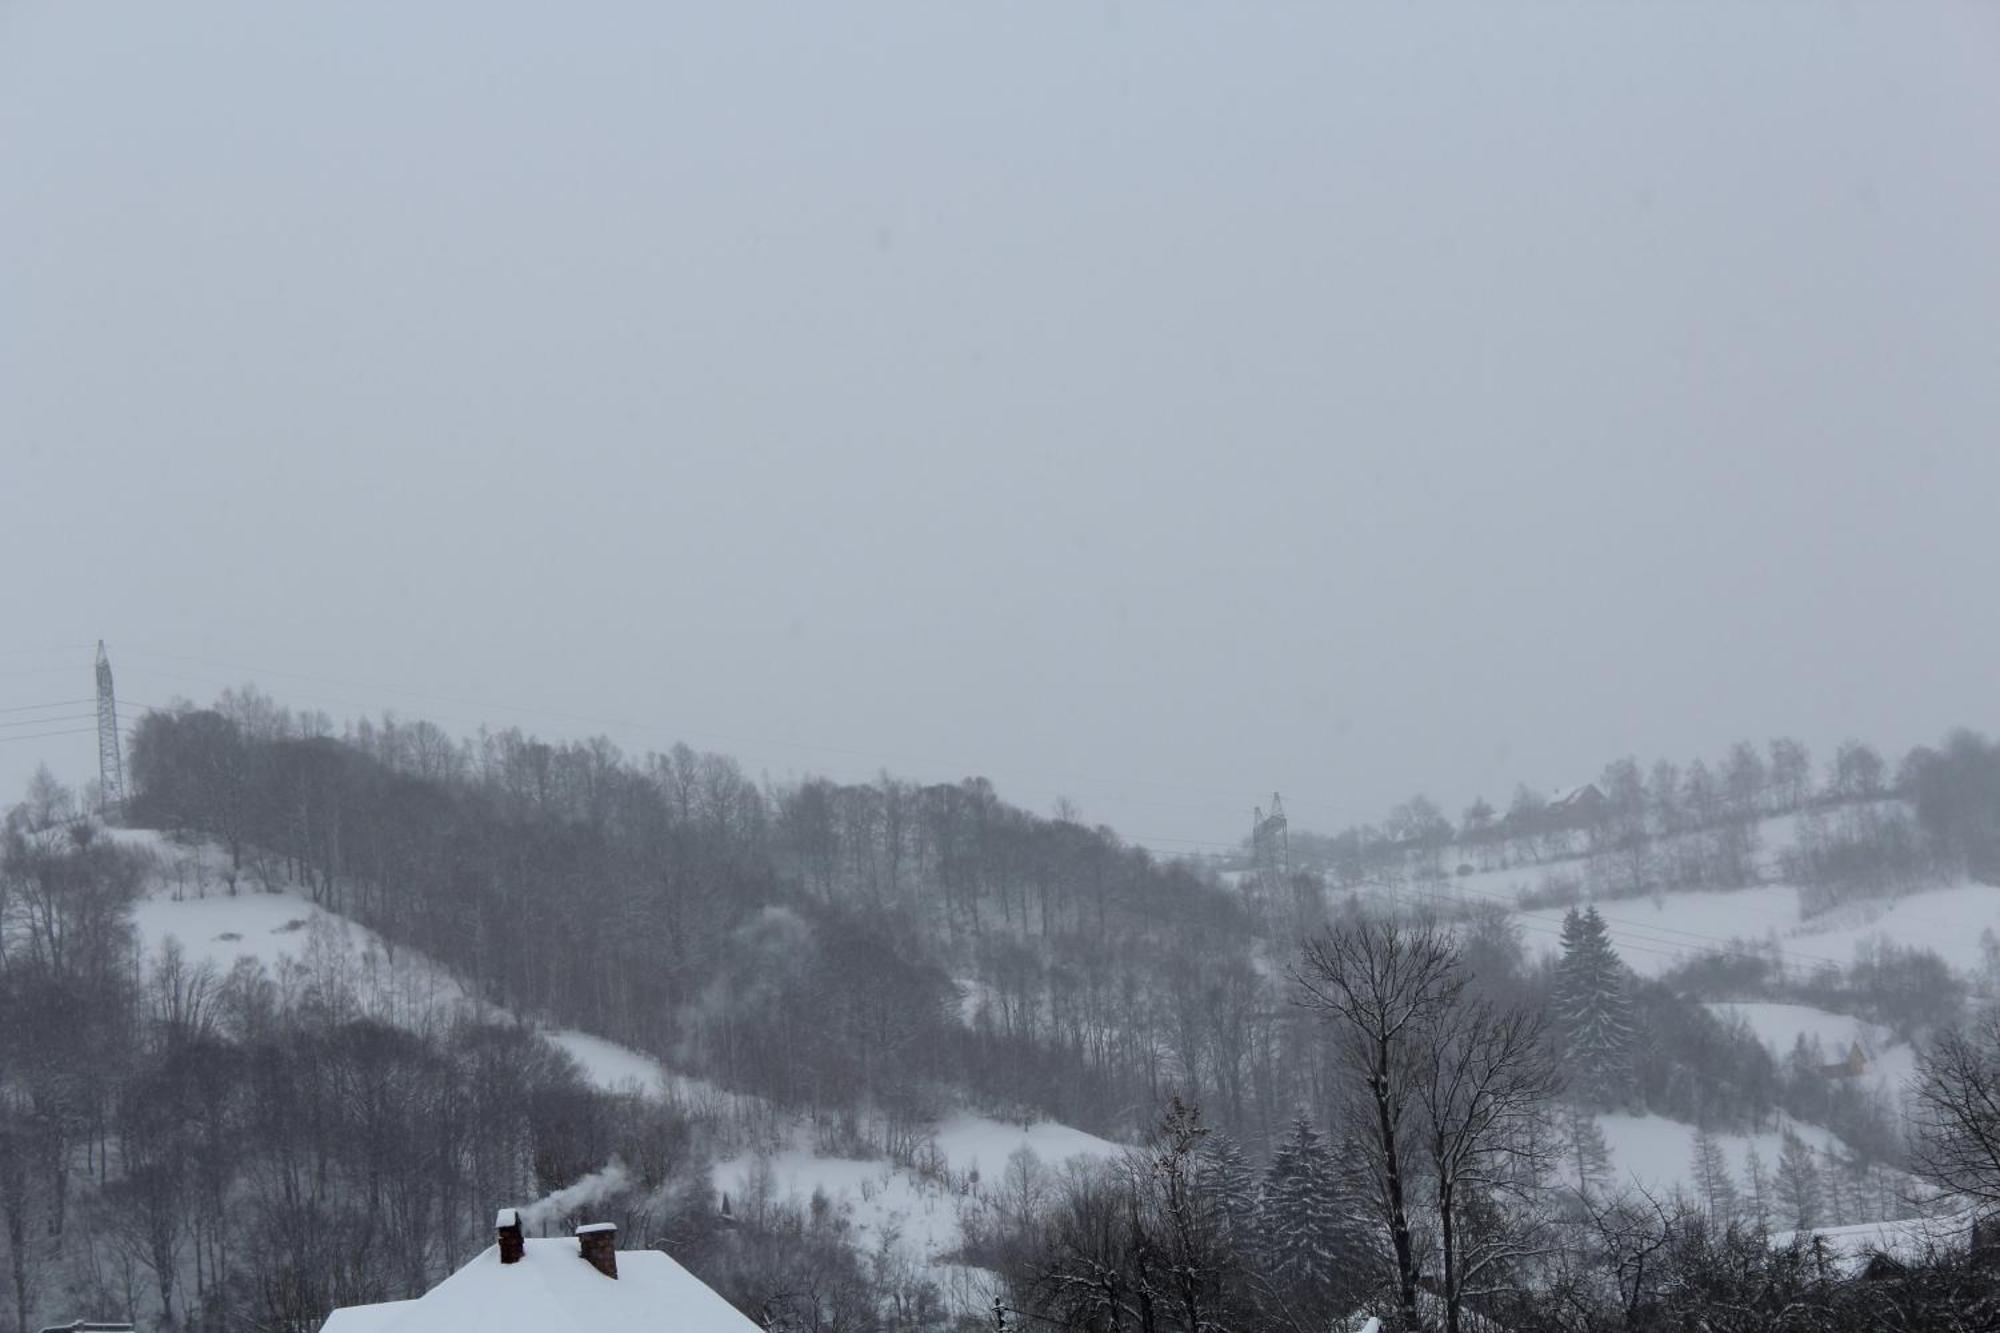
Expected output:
(1655, 934)
(1911, 1239)
(973, 1143)
(616, 1068)
(1781, 1026)
(1891, 1064)
(896, 1211)
(1657, 1154)
(187, 901)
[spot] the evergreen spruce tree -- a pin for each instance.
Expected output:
(1299, 1212)
(1593, 1013)
(1224, 1175)
(1357, 1211)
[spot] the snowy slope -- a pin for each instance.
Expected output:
(1657, 1154)
(1781, 1026)
(616, 1068)
(186, 901)
(901, 1213)
(893, 1209)
(976, 1144)
(1657, 932)
(1653, 935)
(1891, 1064)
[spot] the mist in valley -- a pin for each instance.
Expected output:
(1124, 669)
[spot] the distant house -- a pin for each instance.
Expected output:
(1853, 1065)
(1575, 807)
(557, 1285)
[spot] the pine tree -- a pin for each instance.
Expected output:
(1797, 1184)
(1299, 1212)
(1593, 1013)
(1712, 1178)
(1757, 1189)
(1841, 1187)
(1224, 1175)
(1588, 1154)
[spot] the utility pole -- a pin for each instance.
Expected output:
(110, 758)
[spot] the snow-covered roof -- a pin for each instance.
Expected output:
(1571, 795)
(554, 1289)
(1906, 1240)
(365, 1318)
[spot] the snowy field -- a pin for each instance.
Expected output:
(186, 901)
(1657, 1154)
(616, 1068)
(897, 1212)
(1656, 934)
(1781, 1026)
(1659, 931)
(970, 1143)
(1891, 1064)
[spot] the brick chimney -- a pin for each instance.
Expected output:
(507, 1231)
(599, 1244)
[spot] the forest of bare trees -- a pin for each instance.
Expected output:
(1345, 1108)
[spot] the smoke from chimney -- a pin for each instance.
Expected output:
(570, 1199)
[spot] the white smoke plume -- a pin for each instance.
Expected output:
(600, 1184)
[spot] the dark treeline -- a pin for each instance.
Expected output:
(813, 944)
(822, 944)
(178, 1144)
(245, 1151)
(1863, 828)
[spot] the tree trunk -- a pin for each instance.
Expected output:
(1392, 1165)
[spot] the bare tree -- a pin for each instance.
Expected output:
(1380, 985)
(1485, 1082)
(1957, 1143)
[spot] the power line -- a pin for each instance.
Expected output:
(45, 721)
(44, 735)
(1727, 944)
(52, 648)
(58, 703)
(1786, 960)
(1647, 942)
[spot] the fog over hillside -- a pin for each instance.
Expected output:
(1144, 407)
(1129, 669)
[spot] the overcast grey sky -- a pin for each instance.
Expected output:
(1154, 403)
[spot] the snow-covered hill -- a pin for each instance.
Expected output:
(903, 1213)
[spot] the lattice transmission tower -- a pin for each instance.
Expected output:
(1271, 846)
(110, 758)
